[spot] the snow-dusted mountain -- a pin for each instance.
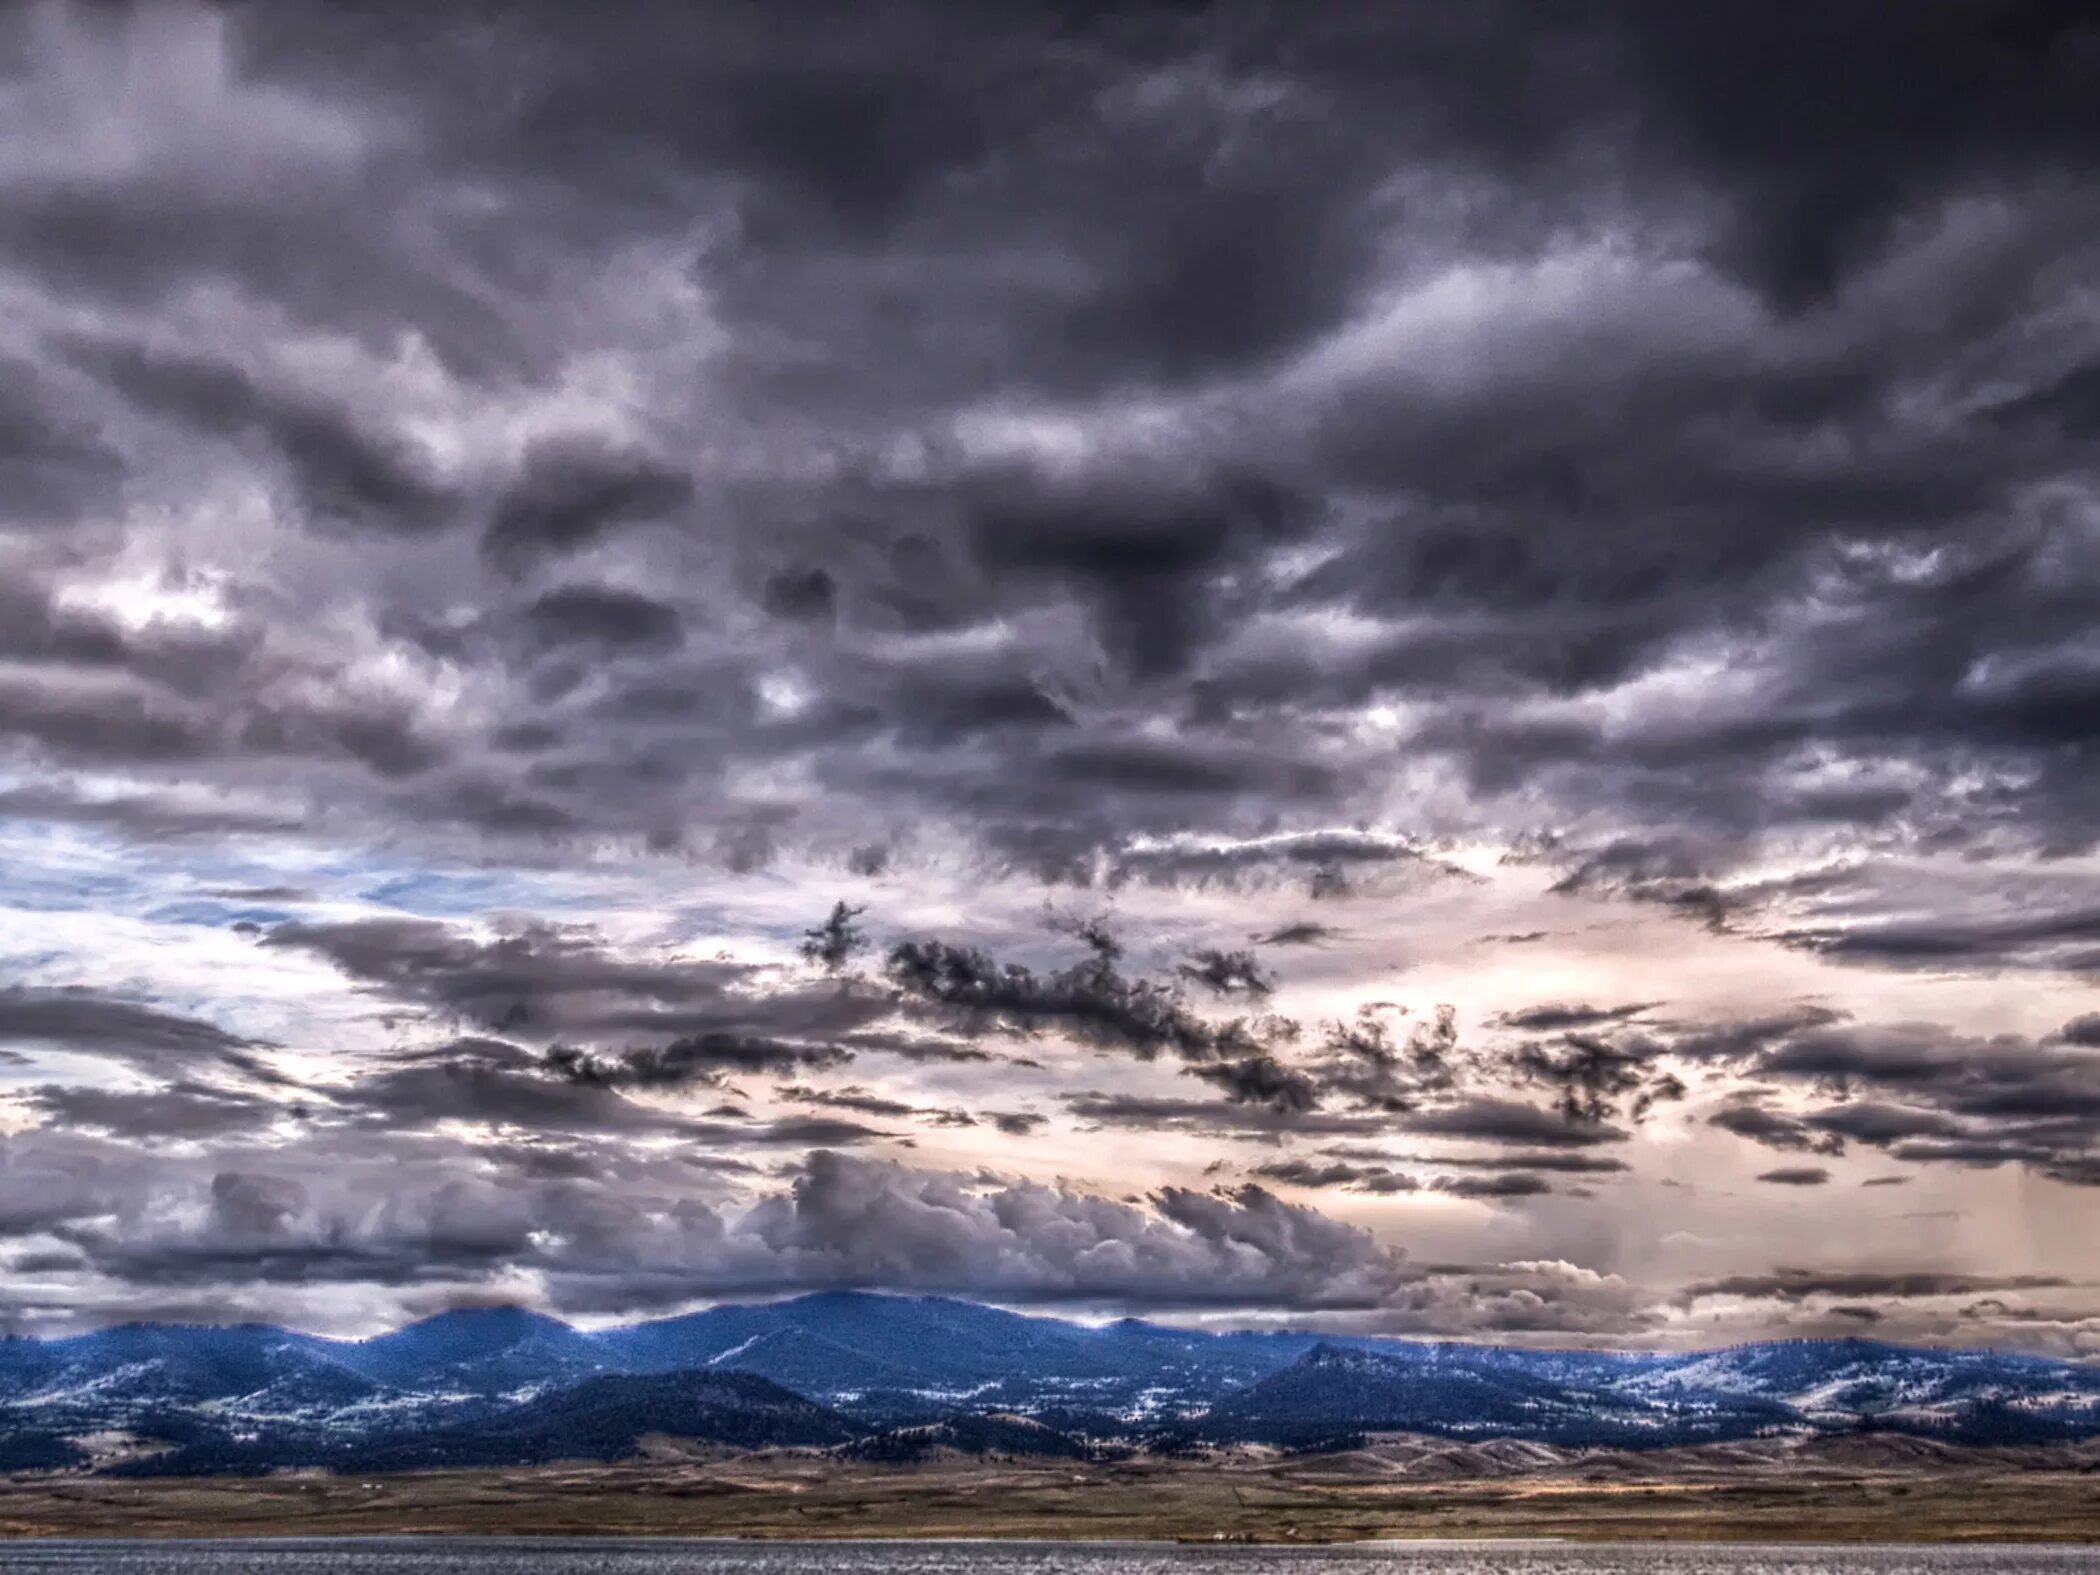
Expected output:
(502, 1383)
(1979, 1397)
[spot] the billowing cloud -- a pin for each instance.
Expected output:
(1531, 570)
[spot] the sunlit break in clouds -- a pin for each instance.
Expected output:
(1403, 669)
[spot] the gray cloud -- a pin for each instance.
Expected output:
(1092, 999)
(569, 494)
(1796, 1176)
(1491, 1120)
(1801, 1284)
(618, 1239)
(1503, 1185)
(1916, 1090)
(553, 981)
(698, 1058)
(1242, 462)
(84, 1020)
(844, 1216)
(1555, 1017)
(1751, 1118)
(1099, 581)
(341, 475)
(182, 1111)
(602, 616)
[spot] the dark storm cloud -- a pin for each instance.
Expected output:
(143, 817)
(566, 986)
(1974, 94)
(1329, 861)
(182, 1111)
(1740, 1041)
(1563, 1163)
(624, 1238)
(1302, 933)
(699, 1058)
(424, 1093)
(51, 464)
(1182, 1246)
(569, 494)
(834, 943)
(1092, 999)
(858, 1100)
(341, 474)
(602, 616)
(2055, 940)
(425, 960)
(909, 1045)
(1177, 449)
(1013, 1123)
(1212, 1116)
(803, 595)
(1134, 557)
(1507, 1184)
(1365, 1061)
(1311, 1173)
(1491, 1120)
(1796, 1176)
(502, 1086)
(1795, 1285)
(1261, 1080)
(1071, 338)
(83, 1020)
(1554, 1017)
(1229, 973)
(1595, 1078)
(1379, 1179)
(551, 980)
(1916, 1090)
(102, 722)
(1749, 1118)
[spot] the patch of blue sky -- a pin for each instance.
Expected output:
(47, 868)
(63, 888)
(211, 912)
(463, 894)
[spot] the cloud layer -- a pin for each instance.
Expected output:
(1516, 588)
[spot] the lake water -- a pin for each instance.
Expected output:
(535, 1556)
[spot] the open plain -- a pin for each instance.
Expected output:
(1865, 1490)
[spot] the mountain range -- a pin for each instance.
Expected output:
(883, 1377)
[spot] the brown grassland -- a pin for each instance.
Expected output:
(1394, 1489)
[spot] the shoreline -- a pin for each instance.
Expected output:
(289, 1540)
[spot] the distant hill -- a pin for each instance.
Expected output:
(1014, 1436)
(896, 1377)
(835, 1343)
(1450, 1391)
(482, 1350)
(605, 1418)
(602, 1418)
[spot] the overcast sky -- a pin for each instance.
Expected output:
(1447, 658)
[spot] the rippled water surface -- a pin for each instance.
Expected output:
(511, 1556)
